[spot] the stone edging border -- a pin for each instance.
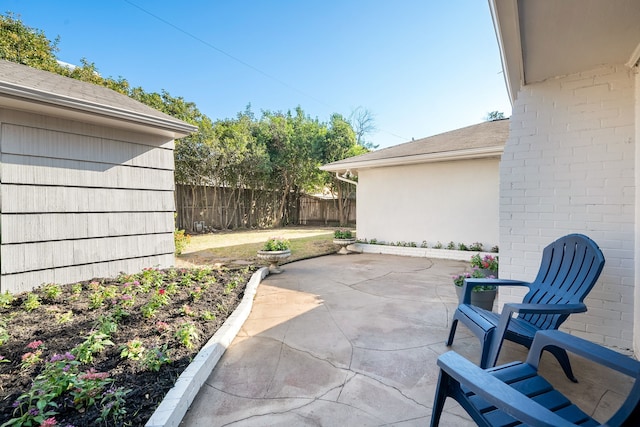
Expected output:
(416, 252)
(177, 401)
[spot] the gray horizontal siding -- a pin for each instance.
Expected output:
(34, 199)
(46, 171)
(27, 281)
(46, 255)
(68, 226)
(80, 200)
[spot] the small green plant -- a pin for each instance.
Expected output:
(495, 249)
(64, 317)
(476, 247)
(34, 357)
(462, 247)
(451, 246)
(187, 334)
(95, 343)
(156, 357)
(342, 233)
(4, 334)
(96, 299)
(106, 325)
(208, 316)
(276, 244)
(186, 310)
(438, 245)
(51, 291)
(133, 350)
(424, 244)
(31, 303)
(6, 299)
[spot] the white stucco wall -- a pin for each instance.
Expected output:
(81, 201)
(568, 167)
(440, 201)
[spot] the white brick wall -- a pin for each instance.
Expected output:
(568, 167)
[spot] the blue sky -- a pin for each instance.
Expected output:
(421, 67)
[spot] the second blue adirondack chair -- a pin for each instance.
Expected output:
(568, 271)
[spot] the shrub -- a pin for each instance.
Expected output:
(181, 240)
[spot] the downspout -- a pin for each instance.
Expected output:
(342, 178)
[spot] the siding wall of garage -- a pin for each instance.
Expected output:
(80, 200)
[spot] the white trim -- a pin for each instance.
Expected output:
(19, 92)
(506, 25)
(475, 153)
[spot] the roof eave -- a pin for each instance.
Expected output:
(504, 14)
(475, 153)
(177, 127)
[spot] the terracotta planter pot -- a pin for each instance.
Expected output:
(274, 258)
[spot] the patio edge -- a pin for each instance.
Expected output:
(176, 402)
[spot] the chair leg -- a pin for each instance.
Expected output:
(452, 332)
(487, 342)
(563, 359)
(441, 396)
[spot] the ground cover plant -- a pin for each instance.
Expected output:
(106, 351)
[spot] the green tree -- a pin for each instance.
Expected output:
(494, 115)
(340, 143)
(25, 45)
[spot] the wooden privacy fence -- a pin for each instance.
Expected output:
(204, 208)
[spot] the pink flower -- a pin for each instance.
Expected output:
(27, 356)
(92, 374)
(161, 291)
(34, 345)
(49, 422)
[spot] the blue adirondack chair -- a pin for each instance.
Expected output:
(569, 269)
(516, 394)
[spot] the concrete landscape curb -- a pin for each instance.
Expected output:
(416, 252)
(177, 401)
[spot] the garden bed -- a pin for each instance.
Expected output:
(150, 326)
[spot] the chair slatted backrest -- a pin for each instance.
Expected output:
(569, 269)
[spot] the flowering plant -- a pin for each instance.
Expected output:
(276, 244)
(488, 262)
(342, 234)
(482, 267)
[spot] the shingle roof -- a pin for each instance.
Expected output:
(22, 82)
(483, 138)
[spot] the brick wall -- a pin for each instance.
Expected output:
(568, 167)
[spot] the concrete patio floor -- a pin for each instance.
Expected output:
(353, 340)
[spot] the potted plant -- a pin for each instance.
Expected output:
(275, 250)
(481, 267)
(343, 238)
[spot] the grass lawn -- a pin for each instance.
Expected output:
(240, 247)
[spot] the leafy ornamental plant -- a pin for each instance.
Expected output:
(482, 267)
(276, 244)
(342, 234)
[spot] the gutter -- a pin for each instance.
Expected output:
(344, 179)
(28, 94)
(476, 153)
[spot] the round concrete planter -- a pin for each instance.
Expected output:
(343, 243)
(482, 299)
(274, 258)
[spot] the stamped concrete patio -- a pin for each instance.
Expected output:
(353, 340)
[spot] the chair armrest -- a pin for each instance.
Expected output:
(497, 393)
(511, 308)
(471, 283)
(507, 313)
(591, 351)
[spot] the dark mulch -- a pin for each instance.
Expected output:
(193, 296)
